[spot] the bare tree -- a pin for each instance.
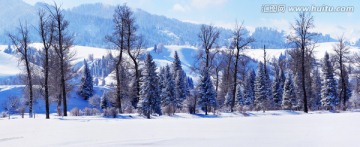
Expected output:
(62, 43)
(239, 42)
(117, 38)
(301, 38)
(208, 36)
(46, 32)
(134, 44)
(341, 56)
(21, 43)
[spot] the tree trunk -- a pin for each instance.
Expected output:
(206, 109)
(29, 78)
(343, 89)
(118, 82)
(63, 86)
(235, 80)
(303, 77)
(47, 107)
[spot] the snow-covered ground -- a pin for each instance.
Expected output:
(276, 128)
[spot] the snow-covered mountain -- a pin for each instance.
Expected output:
(90, 23)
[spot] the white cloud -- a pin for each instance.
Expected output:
(350, 32)
(207, 3)
(179, 8)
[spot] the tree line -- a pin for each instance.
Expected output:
(227, 82)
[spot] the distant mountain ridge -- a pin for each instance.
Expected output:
(90, 23)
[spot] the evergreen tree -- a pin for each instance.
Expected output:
(316, 90)
(249, 89)
(176, 65)
(104, 103)
(207, 92)
(299, 92)
(267, 83)
(239, 96)
(86, 88)
(329, 97)
(149, 94)
(289, 96)
(179, 78)
(228, 98)
(180, 88)
(168, 92)
(162, 78)
(189, 85)
(260, 89)
(277, 90)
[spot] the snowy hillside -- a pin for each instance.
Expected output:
(9, 63)
(162, 56)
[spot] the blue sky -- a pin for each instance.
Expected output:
(225, 12)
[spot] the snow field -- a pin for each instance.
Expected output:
(274, 128)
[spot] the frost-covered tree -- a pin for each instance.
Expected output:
(341, 56)
(298, 104)
(316, 90)
(104, 101)
(260, 89)
(149, 94)
(95, 101)
(346, 94)
(168, 98)
(228, 98)
(249, 93)
(207, 92)
(269, 99)
(289, 96)
(302, 39)
(239, 42)
(329, 97)
(86, 89)
(21, 42)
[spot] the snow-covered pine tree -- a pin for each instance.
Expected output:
(149, 94)
(228, 98)
(104, 103)
(298, 104)
(269, 98)
(260, 89)
(180, 88)
(189, 85)
(179, 78)
(314, 101)
(289, 96)
(249, 89)
(162, 78)
(277, 91)
(168, 98)
(329, 97)
(207, 92)
(239, 96)
(86, 89)
(176, 64)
